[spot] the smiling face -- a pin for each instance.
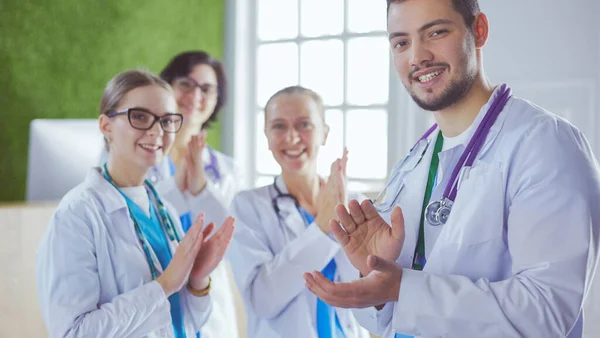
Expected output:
(295, 130)
(134, 149)
(197, 95)
(433, 50)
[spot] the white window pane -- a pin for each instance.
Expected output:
(261, 181)
(370, 189)
(265, 163)
(277, 67)
(366, 138)
(321, 17)
(366, 16)
(277, 19)
(334, 147)
(368, 70)
(322, 69)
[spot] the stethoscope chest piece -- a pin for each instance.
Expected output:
(437, 212)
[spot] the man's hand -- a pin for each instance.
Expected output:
(365, 233)
(381, 286)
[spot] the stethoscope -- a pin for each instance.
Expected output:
(212, 169)
(437, 212)
(164, 218)
(280, 195)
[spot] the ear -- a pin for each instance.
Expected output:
(481, 29)
(105, 127)
(326, 134)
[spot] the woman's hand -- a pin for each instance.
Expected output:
(195, 175)
(178, 271)
(332, 193)
(211, 253)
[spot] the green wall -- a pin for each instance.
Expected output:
(56, 57)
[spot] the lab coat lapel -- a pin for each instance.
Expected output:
(411, 202)
(288, 212)
(496, 128)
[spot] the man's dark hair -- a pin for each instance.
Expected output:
(467, 8)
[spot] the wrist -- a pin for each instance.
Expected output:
(199, 288)
(164, 285)
(199, 283)
(323, 225)
(197, 190)
(395, 289)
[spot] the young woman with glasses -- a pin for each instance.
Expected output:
(114, 261)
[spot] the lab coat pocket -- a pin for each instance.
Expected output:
(478, 212)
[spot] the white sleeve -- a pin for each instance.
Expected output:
(69, 288)
(260, 273)
(200, 308)
(375, 321)
(552, 235)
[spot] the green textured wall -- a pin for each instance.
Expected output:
(56, 57)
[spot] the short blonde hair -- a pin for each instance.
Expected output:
(291, 90)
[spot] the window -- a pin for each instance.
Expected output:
(339, 49)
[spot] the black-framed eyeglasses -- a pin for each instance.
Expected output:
(142, 119)
(188, 85)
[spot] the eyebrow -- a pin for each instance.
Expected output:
(148, 111)
(423, 28)
(275, 120)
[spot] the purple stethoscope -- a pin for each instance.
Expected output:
(212, 168)
(437, 212)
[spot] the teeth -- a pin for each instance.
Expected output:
(294, 153)
(151, 147)
(428, 77)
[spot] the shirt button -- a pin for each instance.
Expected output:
(153, 179)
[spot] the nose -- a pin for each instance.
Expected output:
(156, 130)
(197, 95)
(420, 54)
(293, 136)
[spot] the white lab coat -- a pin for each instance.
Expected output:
(517, 255)
(269, 258)
(92, 274)
(214, 201)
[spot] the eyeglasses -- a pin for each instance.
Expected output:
(142, 119)
(188, 85)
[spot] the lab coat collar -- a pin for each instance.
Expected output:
(288, 212)
(109, 197)
(494, 130)
(498, 124)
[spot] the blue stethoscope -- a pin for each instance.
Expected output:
(165, 220)
(437, 212)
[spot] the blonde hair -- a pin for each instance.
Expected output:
(123, 83)
(301, 91)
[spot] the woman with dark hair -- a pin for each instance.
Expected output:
(196, 178)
